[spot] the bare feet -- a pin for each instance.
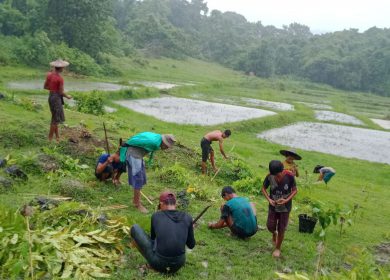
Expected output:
(276, 253)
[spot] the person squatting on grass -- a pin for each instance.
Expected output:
(282, 190)
(170, 232)
(289, 163)
(238, 214)
(205, 144)
(133, 151)
(109, 166)
(54, 83)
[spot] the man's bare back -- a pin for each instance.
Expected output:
(215, 135)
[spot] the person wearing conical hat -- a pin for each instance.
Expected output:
(289, 163)
(55, 85)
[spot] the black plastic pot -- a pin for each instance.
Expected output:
(306, 223)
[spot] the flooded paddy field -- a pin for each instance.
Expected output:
(70, 85)
(345, 141)
(382, 123)
(338, 117)
(188, 111)
(317, 106)
(269, 104)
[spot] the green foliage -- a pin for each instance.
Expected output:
(175, 174)
(90, 103)
(250, 185)
(234, 170)
(70, 241)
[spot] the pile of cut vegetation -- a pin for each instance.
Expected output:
(70, 240)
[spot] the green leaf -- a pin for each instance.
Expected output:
(67, 271)
(322, 233)
(14, 239)
(83, 239)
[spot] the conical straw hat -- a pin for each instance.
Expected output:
(59, 63)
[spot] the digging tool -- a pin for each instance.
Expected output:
(147, 198)
(105, 134)
(201, 214)
(219, 169)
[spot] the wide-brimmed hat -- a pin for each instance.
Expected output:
(167, 196)
(292, 153)
(59, 63)
(168, 139)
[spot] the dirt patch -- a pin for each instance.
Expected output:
(269, 104)
(345, 141)
(382, 253)
(79, 141)
(382, 123)
(338, 117)
(187, 111)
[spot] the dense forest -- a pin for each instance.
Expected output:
(89, 32)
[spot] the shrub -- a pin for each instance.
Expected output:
(90, 103)
(250, 185)
(235, 170)
(175, 174)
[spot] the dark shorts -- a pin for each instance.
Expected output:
(277, 221)
(160, 263)
(108, 170)
(239, 232)
(56, 109)
(206, 148)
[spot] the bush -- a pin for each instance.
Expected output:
(90, 103)
(250, 185)
(175, 174)
(235, 170)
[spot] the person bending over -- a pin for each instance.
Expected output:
(205, 144)
(110, 167)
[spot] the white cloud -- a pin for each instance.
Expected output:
(330, 15)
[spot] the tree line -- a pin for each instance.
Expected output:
(88, 32)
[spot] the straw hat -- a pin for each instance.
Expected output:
(59, 63)
(292, 153)
(168, 140)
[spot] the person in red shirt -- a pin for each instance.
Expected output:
(55, 85)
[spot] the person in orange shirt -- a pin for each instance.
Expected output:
(55, 85)
(289, 163)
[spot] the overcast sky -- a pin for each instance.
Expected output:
(320, 16)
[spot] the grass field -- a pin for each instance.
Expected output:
(217, 255)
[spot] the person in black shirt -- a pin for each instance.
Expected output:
(282, 189)
(171, 230)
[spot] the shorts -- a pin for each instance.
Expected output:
(239, 232)
(106, 170)
(328, 176)
(277, 221)
(206, 148)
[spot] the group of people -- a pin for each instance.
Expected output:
(172, 230)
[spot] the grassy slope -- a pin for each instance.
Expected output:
(227, 258)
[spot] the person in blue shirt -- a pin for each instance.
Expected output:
(110, 167)
(238, 214)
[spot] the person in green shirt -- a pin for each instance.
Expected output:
(238, 214)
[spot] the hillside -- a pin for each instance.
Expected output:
(359, 189)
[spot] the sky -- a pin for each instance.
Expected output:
(321, 16)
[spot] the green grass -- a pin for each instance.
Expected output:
(23, 136)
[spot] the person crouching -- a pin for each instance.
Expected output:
(171, 231)
(238, 214)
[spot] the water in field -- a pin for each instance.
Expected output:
(188, 111)
(158, 85)
(70, 85)
(339, 140)
(382, 123)
(337, 117)
(269, 104)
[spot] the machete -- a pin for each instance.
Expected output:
(201, 214)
